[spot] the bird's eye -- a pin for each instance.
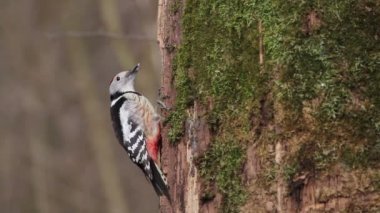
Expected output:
(117, 78)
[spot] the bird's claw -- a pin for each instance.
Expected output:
(162, 105)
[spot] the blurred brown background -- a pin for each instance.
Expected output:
(57, 149)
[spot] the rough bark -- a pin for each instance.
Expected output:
(178, 161)
(336, 189)
(172, 161)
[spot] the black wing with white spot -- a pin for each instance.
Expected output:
(135, 145)
(131, 136)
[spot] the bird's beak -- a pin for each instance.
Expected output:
(136, 69)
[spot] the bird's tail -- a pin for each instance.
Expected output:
(159, 182)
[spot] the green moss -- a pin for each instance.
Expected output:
(217, 65)
(270, 174)
(334, 67)
(227, 76)
(222, 164)
(376, 181)
(184, 97)
(330, 64)
(363, 156)
(175, 6)
(290, 170)
(313, 156)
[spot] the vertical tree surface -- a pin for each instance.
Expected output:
(273, 107)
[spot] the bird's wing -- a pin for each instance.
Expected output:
(134, 140)
(130, 132)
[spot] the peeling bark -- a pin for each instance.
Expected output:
(178, 161)
(173, 160)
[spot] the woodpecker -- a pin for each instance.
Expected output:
(137, 127)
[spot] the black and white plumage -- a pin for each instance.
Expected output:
(130, 135)
(134, 120)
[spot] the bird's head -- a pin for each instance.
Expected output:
(124, 81)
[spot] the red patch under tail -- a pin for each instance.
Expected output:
(153, 146)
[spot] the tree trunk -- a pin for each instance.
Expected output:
(298, 157)
(178, 161)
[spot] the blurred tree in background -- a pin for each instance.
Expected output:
(57, 151)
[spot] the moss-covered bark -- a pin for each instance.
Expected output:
(307, 110)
